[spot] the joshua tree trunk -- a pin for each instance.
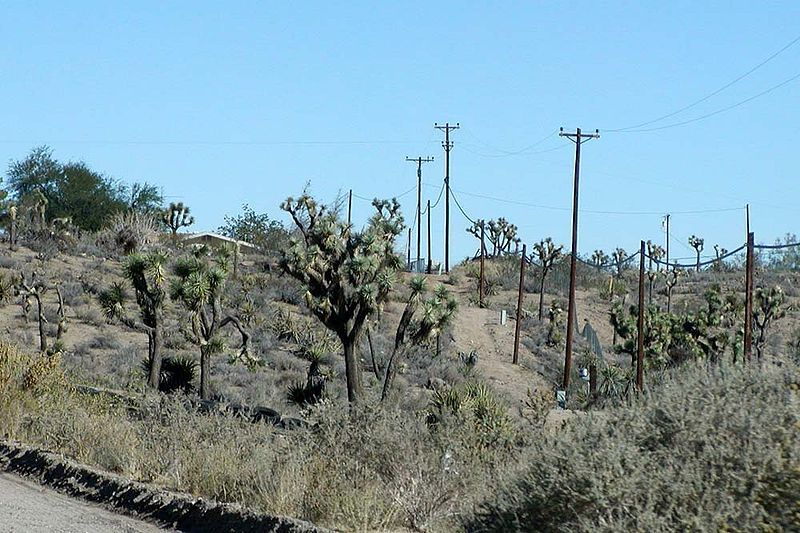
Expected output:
(205, 371)
(389, 377)
(155, 337)
(541, 295)
(698, 260)
(375, 368)
(42, 322)
(355, 386)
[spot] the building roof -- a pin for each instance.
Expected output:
(208, 236)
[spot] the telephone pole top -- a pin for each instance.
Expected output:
(447, 145)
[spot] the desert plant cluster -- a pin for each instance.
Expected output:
(318, 379)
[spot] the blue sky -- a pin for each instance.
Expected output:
(244, 102)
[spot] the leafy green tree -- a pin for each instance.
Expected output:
(147, 274)
(347, 274)
(38, 171)
(71, 191)
(142, 197)
(199, 285)
(547, 253)
(257, 229)
(86, 196)
(436, 312)
(177, 216)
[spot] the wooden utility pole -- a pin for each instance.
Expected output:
(640, 325)
(667, 251)
(430, 261)
(419, 161)
(748, 298)
(349, 206)
(482, 278)
(408, 249)
(447, 145)
(518, 325)
(747, 219)
(578, 138)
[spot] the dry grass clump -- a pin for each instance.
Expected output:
(711, 450)
(358, 469)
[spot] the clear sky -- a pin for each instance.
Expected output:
(225, 103)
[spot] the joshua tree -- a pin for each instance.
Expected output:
(199, 284)
(347, 275)
(500, 233)
(147, 274)
(10, 212)
(599, 258)
(697, 244)
(436, 312)
(654, 254)
(619, 257)
(671, 279)
(720, 253)
(177, 216)
(767, 308)
(35, 289)
(547, 253)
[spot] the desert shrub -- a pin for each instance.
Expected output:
(129, 232)
(687, 457)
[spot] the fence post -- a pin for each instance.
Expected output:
(640, 325)
(748, 298)
(515, 360)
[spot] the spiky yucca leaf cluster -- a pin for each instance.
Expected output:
(476, 404)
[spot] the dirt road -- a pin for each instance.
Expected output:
(27, 507)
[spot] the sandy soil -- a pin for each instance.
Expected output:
(30, 508)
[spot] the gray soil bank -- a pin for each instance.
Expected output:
(169, 509)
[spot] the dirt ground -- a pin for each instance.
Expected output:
(27, 507)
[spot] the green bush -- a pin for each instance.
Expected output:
(711, 450)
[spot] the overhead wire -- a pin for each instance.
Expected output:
(712, 94)
(718, 111)
(461, 208)
(505, 153)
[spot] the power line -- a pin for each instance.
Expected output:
(505, 153)
(461, 208)
(714, 93)
(718, 111)
(207, 143)
(594, 211)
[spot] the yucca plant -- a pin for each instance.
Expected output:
(177, 373)
(547, 253)
(148, 276)
(435, 313)
(175, 217)
(767, 308)
(199, 284)
(347, 274)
